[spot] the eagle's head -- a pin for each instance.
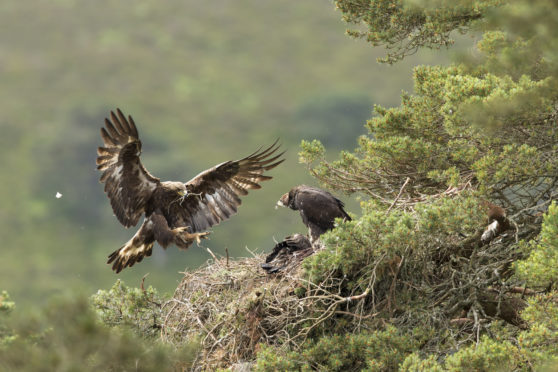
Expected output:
(287, 200)
(283, 201)
(175, 187)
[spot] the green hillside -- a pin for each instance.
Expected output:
(205, 81)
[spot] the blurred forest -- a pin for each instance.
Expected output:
(205, 82)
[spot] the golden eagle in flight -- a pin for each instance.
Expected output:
(175, 212)
(317, 207)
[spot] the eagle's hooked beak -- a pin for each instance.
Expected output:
(182, 192)
(282, 202)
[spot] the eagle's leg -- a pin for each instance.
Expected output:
(184, 239)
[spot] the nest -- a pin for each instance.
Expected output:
(232, 307)
(220, 304)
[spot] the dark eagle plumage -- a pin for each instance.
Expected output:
(317, 207)
(175, 212)
(288, 253)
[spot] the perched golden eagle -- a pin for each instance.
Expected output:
(317, 207)
(175, 212)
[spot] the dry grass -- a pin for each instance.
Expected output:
(231, 307)
(221, 303)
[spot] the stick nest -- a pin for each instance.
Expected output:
(231, 307)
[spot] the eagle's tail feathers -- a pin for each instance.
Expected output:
(129, 254)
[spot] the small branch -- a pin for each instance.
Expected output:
(477, 324)
(329, 312)
(524, 291)
(227, 252)
(398, 195)
(141, 285)
(358, 297)
(360, 317)
(252, 253)
(211, 253)
(461, 321)
(391, 297)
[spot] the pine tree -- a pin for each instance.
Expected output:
(478, 133)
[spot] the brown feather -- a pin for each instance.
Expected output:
(107, 150)
(112, 131)
(214, 195)
(127, 184)
(116, 122)
(123, 122)
(175, 212)
(107, 139)
(132, 126)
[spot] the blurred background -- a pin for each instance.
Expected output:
(205, 82)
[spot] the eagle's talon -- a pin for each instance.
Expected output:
(200, 236)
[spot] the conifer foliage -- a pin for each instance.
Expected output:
(409, 285)
(477, 131)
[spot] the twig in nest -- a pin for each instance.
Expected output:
(357, 297)
(252, 253)
(362, 317)
(398, 195)
(211, 253)
(227, 252)
(461, 321)
(477, 325)
(524, 291)
(329, 312)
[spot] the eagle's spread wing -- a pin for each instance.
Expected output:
(127, 183)
(214, 195)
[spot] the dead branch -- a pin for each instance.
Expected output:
(398, 195)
